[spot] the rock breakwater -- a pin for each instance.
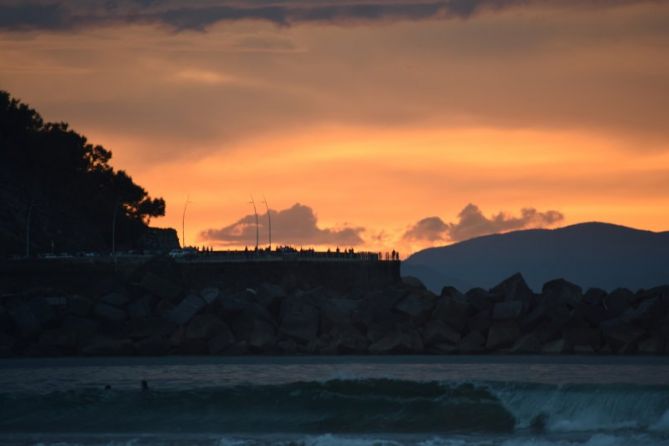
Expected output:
(154, 312)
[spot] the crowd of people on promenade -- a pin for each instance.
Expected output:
(285, 251)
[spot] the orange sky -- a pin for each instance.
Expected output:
(373, 124)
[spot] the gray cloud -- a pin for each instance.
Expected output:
(200, 14)
(430, 229)
(472, 223)
(297, 225)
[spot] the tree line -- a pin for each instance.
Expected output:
(58, 192)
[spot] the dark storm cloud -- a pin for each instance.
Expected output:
(472, 223)
(297, 225)
(200, 14)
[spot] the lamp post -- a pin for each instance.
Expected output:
(269, 221)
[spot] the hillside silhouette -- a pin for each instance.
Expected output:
(59, 193)
(590, 254)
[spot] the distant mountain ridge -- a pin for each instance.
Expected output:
(594, 254)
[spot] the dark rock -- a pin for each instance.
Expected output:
(651, 346)
(58, 341)
(186, 309)
(161, 287)
(507, 310)
(26, 321)
(539, 315)
(7, 343)
(109, 313)
(299, 319)
(549, 331)
(417, 306)
(205, 326)
(502, 334)
(210, 294)
(648, 311)
(452, 311)
(437, 332)
(348, 341)
(5, 320)
(149, 327)
(269, 296)
(83, 328)
(594, 296)
(451, 292)
(79, 306)
(258, 334)
(140, 308)
(529, 343)
(481, 321)
(480, 298)
(398, 342)
(192, 347)
(221, 342)
(287, 346)
(115, 299)
(106, 346)
(622, 338)
(555, 347)
(152, 346)
(413, 282)
(515, 289)
(618, 301)
(336, 313)
(578, 337)
(560, 292)
(472, 342)
(239, 348)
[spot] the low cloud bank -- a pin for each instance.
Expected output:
(297, 225)
(473, 223)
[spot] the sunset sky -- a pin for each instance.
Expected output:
(374, 124)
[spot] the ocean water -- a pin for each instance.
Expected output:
(323, 401)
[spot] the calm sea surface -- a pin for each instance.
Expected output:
(418, 400)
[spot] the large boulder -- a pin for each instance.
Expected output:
(83, 328)
(186, 309)
(515, 289)
(106, 346)
(79, 306)
(452, 311)
(413, 282)
(58, 342)
(160, 286)
(502, 334)
(210, 294)
(436, 332)
(417, 305)
(205, 326)
(472, 342)
(7, 343)
(221, 342)
(582, 336)
(299, 319)
(618, 301)
(556, 347)
(480, 298)
(527, 344)
(116, 299)
(140, 308)
(507, 310)
(26, 320)
(152, 346)
(481, 321)
(398, 342)
(347, 341)
(561, 292)
(149, 327)
(622, 338)
(109, 313)
(336, 313)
